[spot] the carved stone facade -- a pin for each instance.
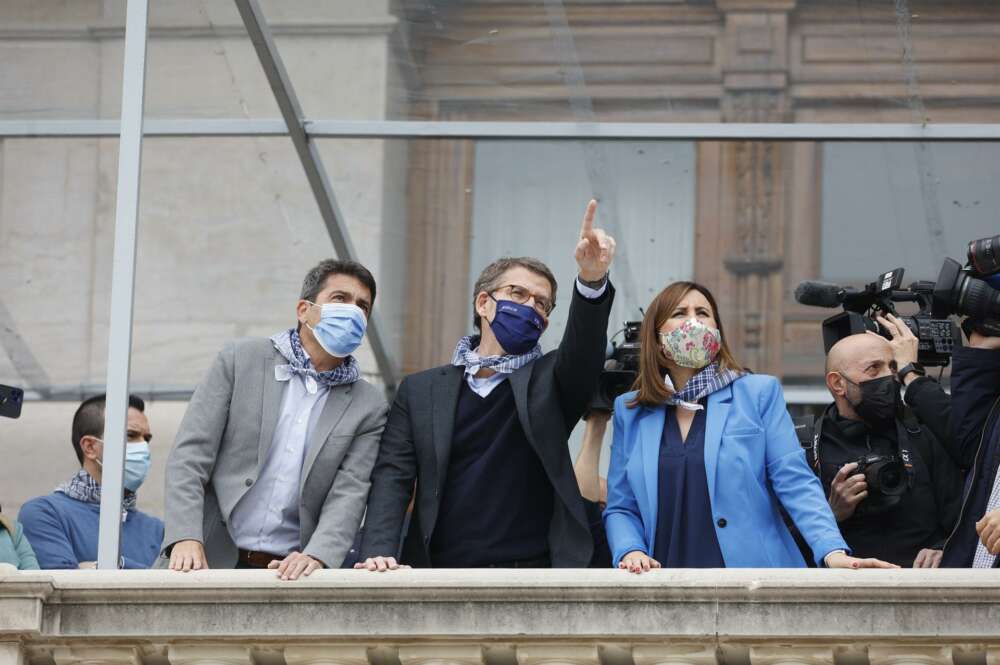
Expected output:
(758, 203)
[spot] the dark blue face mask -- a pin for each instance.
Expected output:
(516, 327)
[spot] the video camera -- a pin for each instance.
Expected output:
(621, 368)
(973, 291)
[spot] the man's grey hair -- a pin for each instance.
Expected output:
(489, 279)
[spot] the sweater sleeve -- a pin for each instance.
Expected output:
(43, 529)
(25, 554)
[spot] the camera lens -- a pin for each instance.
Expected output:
(984, 255)
(979, 300)
(890, 479)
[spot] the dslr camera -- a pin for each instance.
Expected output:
(887, 477)
(972, 290)
(621, 368)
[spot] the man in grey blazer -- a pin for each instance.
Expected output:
(273, 459)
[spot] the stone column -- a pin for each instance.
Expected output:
(12, 653)
(332, 654)
(558, 654)
(209, 655)
(674, 654)
(96, 656)
(909, 655)
(749, 241)
(786, 655)
(433, 654)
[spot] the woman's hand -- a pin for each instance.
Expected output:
(637, 562)
(844, 560)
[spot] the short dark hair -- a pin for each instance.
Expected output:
(89, 419)
(489, 279)
(316, 278)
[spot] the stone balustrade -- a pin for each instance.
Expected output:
(501, 617)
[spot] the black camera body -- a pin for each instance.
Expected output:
(620, 369)
(937, 336)
(884, 474)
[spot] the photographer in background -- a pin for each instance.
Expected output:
(975, 387)
(891, 482)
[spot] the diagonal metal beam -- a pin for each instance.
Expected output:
(308, 151)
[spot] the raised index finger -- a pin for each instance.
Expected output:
(588, 219)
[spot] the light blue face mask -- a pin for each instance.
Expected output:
(340, 329)
(137, 461)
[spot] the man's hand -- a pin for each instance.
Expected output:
(904, 343)
(295, 564)
(847, 491)
(87, 565)
(927, 558)
(979, 341)
(638, 562)
(595, 250)
(844, 560)
(380, 564)
(988, 529)
(187, 555)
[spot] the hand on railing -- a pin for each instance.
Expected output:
(379, 564)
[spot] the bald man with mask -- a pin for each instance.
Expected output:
(864, 374)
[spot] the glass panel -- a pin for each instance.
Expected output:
(661, 61)
(60, 60)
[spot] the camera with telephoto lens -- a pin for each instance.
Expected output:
(972, 290)
(887, 480)
(621, 368)
(936, 334)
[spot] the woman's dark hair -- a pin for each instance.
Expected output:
(652, 389)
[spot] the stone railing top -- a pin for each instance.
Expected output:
(505, 604)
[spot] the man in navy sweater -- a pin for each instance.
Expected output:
(62, 526)
(975, 399)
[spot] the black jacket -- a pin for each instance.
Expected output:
(975, 443)
(550, 394)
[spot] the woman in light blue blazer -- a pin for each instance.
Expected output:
(704, 452)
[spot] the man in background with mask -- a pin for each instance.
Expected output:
(903, 513)
(62, 527)
(485, 438)
(272, 462)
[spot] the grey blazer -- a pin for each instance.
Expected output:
(223, 442)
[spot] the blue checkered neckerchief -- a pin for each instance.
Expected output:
(466, 357)
(704, 383)
(83, 487)
(289, 346)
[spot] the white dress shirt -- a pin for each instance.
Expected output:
(484, 385)
(266, 519)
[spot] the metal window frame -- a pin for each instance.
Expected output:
(574, 131)
(303, 133)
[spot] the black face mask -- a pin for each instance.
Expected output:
(880, 401)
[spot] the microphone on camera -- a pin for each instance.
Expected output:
(823, 294)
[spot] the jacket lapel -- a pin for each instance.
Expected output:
(333, 410)
(718, 410)
(272, 392)
(650, 433)
(444, 400)
(519, 382)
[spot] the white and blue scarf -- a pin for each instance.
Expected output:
(464, 356)
(709, 380)
(289, 346)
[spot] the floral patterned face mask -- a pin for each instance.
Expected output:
(693, 344)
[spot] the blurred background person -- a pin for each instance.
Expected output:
(14, 547)
(62, 527)
(702, 453)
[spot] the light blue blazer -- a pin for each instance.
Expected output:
(752, 459)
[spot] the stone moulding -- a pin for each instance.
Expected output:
(501, 617)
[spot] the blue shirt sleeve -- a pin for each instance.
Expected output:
(25, 554)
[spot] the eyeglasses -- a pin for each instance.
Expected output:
(521, 296)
